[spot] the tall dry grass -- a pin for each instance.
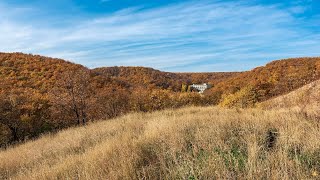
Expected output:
(189, 143)
(305, 99)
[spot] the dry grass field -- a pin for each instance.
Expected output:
(189, 143)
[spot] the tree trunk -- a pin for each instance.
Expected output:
(84, 118)
(14, 134)
(78, 116)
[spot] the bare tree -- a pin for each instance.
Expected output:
(72, 93)
(112, 102)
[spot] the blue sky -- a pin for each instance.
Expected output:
(177, 36)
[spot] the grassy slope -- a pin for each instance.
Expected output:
(305, 99)
(187, 143)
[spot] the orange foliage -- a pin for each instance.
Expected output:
(274, 79)
(53, 93)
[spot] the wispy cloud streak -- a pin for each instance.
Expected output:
(190, 36)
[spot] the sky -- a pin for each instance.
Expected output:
(169, 35)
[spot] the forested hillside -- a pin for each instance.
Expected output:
(21, 71)
(41, 94)
(151, 78)
(262, 83)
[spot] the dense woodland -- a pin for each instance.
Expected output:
(262, 83)
(151, 78)
(41, 94)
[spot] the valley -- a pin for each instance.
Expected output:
(60, 120)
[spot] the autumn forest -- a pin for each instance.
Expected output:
(41, 94)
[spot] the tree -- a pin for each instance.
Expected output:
(139, 100)
(159, 99)
(24, 112)
(184, 88)
(72, 94)
(245, 97)
(10, 113)
(189, 88)
(111, 102)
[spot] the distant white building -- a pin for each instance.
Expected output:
(201, 87)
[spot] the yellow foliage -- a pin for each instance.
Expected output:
(245, 97)
(25, 118)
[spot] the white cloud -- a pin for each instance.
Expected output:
(178, 37)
